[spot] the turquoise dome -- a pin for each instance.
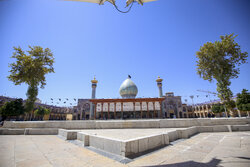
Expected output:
(128, 89)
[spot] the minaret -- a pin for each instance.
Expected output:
(159, 84)
(92, 107)
(94, 85)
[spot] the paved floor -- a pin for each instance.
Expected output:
(127, 134)
(203, 150)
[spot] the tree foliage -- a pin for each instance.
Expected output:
(41, 111)
(220, 61)
(230, 104)
(30, 68)
(243, 100)
(12, 108)
(218, 108)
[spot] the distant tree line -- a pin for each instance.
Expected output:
(15, 108)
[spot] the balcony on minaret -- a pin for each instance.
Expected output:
(159, 84)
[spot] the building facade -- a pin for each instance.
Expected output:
(130, 107)
(172, 106)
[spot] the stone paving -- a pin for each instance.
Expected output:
(126, 134)
(203, 150)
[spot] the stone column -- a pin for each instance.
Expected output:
(134, 110)
(154, 110)
(207, 110)
(197, 111)
(187, 112)
(102, 110)
(121, 110)
(141, 109)
(200, 111)
(203, 112)
(108, 110)
(165, 109)
(95, 106)
(161, 110)
(80, 113)
(177, 110)
(147, 110)
(192, 110)
(114, 110)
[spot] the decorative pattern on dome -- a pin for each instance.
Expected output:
(128, 89)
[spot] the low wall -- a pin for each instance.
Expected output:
(29, 131)
(139, 145)
(123, 148)
(122, 124)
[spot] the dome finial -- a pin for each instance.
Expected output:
(129, 76)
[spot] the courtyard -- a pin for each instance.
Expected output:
(204, 149)
(88, 83)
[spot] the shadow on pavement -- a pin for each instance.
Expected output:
(213, 163)
(247, 158)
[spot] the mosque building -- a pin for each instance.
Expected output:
(129, 106)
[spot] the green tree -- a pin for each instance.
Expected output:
(220, 61)
(230, 104)
(30, 68)
(217, 108)
(243, 101)
(41, 111)
(2, 103)
(12, 108)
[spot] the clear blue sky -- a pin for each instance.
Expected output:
(157, 39)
